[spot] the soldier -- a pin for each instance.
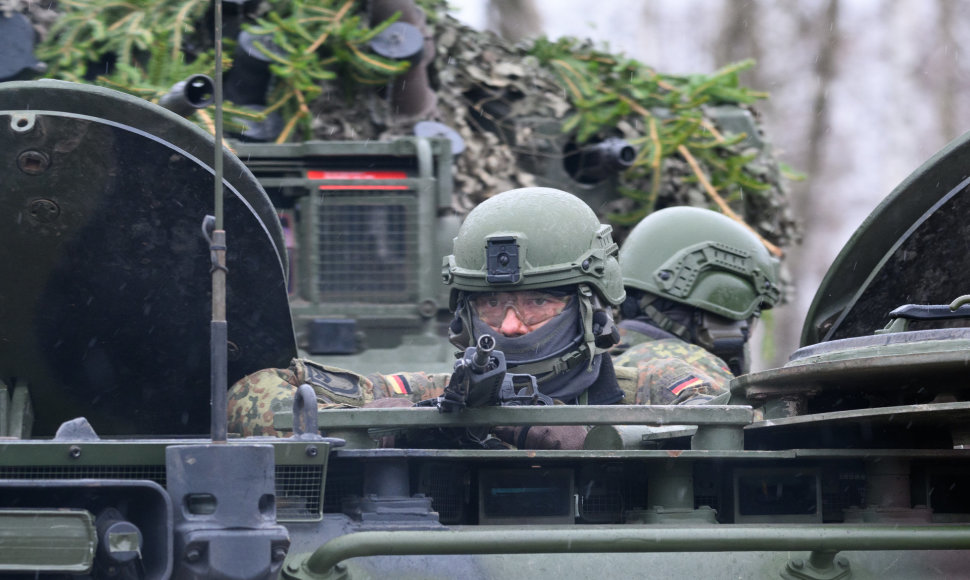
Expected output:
(696, 281)
(534, 268)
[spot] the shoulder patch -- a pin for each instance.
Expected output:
(684, 383)
(332, 384)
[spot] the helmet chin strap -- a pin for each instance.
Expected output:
(663, 321)
(586, 315)
(726, 338)
(460, 329)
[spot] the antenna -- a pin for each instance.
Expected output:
(217, 250)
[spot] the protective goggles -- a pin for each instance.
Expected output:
(531, 307)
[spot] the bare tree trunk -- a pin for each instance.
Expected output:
(807, 204)
(950, 71)
(739, 38)
(824, 73)
(514, 20)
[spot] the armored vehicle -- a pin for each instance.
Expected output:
(846, 463)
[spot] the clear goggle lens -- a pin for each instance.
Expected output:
(530, 307)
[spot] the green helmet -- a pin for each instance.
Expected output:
(703, 259)
(533, 238)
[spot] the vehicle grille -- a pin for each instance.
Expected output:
(299, 492)
(343, 480)
(447, 486)
(367, 247)
(154, 473)
(298, 487)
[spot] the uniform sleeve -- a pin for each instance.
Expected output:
(671, 372)
(674, 382)
(413, 386)
(255, 399)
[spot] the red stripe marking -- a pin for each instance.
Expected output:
(322, 174)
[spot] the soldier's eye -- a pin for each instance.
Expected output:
(492, 302)
(539, 301)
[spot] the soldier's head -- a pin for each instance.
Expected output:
(535, 268)
(701, 276)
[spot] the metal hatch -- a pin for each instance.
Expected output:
(104, 271)
(914, 248)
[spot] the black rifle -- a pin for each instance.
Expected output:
(481, 379)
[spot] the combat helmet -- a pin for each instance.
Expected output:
(701, 276)
(701, 258)
(538, 238)
(533, 238)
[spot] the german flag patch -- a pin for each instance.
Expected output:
(399, 385)
(685, 383)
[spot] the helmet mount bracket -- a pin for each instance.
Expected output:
(502, 255)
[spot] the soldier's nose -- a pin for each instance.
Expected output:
(512, 325)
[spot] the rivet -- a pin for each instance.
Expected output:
(43, 211)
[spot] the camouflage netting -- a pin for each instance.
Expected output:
(483, 84)
(40, 13)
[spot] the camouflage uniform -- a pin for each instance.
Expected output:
(256, 398)
(669, 371)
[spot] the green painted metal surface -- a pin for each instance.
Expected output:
(599, 541)
(900, 252)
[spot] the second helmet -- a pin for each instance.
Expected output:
(701, 258)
